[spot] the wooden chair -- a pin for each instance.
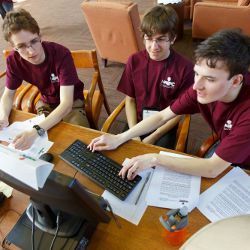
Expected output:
(207, 145)
(182, 131)
(94, 98)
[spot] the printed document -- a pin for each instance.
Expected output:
(25, 165)
(39, 147)
(127, 209)
(229, 197)
(173, 190)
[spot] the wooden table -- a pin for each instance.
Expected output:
(147, 235)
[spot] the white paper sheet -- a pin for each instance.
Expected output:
(32, 172)
(173, 190)
(230, 196)
(40, 146)
(127, 209)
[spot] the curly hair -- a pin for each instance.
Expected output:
(18, 20)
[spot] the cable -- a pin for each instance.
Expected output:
(57, 230)
(33, 228)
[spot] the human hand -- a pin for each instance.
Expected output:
(24, 140)
(133, 166)
(137, 138)
(104, 142)
(4, 123)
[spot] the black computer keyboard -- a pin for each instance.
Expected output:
(99, 168)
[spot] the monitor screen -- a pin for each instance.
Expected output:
(60, 193)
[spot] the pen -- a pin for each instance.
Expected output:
(142, 188)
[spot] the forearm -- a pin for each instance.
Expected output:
(147, 125)
(209, 168)
(6, 104)
(56, 116)
(130, 108)
(161, 131)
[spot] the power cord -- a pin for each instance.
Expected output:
(57, 229)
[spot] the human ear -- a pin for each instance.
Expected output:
(173, 40)
(237, 80)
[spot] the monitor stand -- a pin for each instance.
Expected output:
(20, 236)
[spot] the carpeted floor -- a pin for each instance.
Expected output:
(62, 21)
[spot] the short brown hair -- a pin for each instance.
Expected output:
(18, 20)
(230, 46)
(160, 19)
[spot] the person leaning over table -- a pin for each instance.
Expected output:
(47, 65)
(155, 77)
(220, 93)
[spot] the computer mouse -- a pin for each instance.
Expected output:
(47, 157)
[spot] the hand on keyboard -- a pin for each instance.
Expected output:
(101, 169)
(105, 142)
(131, 167)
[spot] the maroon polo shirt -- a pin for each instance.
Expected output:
(231, 121)
(57, 70)
(155, 84)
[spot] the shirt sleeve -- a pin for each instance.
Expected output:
(186, 103)
(126, 84)
(235, 147)
(13, 79)
(67, 72)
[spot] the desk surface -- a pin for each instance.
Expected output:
(147, 235)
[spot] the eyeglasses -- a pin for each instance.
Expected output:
(159, 41)
(22, 47)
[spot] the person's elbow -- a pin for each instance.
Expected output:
(215, 166)
(67, 107)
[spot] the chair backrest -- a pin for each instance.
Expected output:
(114, 27)
(88, 59)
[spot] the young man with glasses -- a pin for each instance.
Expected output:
(220, 93)
(155, 77)
(47, 65)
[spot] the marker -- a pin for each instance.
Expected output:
(142, 188)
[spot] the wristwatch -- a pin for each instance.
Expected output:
(39, 130)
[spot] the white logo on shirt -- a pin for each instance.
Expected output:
(54, 78)
(168, 83)
(228, 125)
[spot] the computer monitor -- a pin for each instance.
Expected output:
(65, 194)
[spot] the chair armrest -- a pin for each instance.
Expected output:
(110, 120)
(206, 145)
(27, 103)
(20, 93)
(182, 134)
(2, 74)
(89, 97)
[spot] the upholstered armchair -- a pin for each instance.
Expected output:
(209, 17)
(114, 27)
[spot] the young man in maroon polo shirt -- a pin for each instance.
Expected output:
(47, 65)
(220, 93)
(155, 77)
